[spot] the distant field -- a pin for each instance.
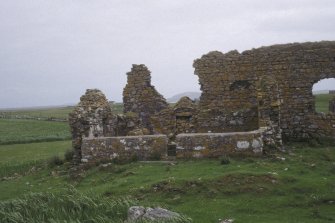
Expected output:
(25, 131)
(322, 102)
(45, 113)
(26, 126)
(48, 113)
(61, 113)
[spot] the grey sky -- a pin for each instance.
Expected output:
(52, 50)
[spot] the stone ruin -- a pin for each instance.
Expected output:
(140, 97)
(89, 119)
(250, 101)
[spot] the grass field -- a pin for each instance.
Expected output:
(20, 157)
(322, 102)
(298, 186)
(25, 131)
(48, 113)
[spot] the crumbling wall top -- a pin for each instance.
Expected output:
(93, 98)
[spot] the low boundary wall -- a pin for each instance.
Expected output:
(146, 147)
(218, 144)
(154, 147)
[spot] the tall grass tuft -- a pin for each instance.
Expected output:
(71, 206)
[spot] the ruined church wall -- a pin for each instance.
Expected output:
(295, 67)
(321, 125)
(258, 95)
(228, 102)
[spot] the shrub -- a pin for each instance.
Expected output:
(69, 155)
(55, 161)
(224, 160)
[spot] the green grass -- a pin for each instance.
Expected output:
(299, 188)
(61, 113)
(70, 206)
(21, 130)
(19, 158)
(117, 108)
(322, 102)
(24, 131)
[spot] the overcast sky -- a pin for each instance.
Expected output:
(52, 50)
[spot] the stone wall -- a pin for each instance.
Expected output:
(154, 147)
(229, 82)
(296, 68)
(269, 103)
(140, 97)
(127, 124)
(146, 147)
(201, 145)
(321, 125)
(229, 99)
(180, 118)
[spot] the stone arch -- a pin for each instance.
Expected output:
(319, 124)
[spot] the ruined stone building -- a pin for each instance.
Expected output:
(250, 101)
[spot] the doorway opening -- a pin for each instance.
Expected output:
(324, 94)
